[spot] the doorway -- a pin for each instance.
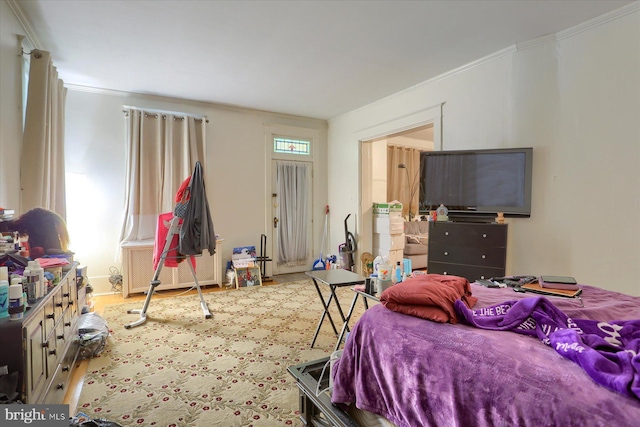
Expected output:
(292, 242)
(386, 179)
(296, 146)
(373, 160)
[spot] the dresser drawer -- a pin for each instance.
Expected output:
(468, 234)
(490, 256)
(470, 272)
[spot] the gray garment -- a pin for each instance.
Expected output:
(196, 232)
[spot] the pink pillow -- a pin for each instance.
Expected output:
(429, 296)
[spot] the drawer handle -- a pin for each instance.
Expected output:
(60, 337)
(60, 386)
(67, 324)
(484, 256)
(51, 316)
(65, 368)
(52, 352)
(70, 303)
(446, 233)
(484, 235)
(66, 295)
(445, 273)
(58, 304)
(45, 344)
(446, 253)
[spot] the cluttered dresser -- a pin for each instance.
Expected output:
(41, 300)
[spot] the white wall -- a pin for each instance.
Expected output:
(576, 100)
(236, 176)
(10, 108)
(237, 166)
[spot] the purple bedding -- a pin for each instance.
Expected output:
(418, 373)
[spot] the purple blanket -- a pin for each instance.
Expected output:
(416, 372)
(607, 351)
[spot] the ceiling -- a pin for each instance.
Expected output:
(317, 59)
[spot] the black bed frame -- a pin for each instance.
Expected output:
(317, 411)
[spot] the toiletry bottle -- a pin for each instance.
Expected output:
(30, 283)
(398, 272)
(42, 282)
(4, 292)
(16, 308)
(384, 276)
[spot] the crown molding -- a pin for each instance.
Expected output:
(91, 89)
(603, 19)
(550, 38)
(31, 36)
(485, 59)
(585, 26)
(600, 20)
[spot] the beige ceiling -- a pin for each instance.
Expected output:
(315, 59)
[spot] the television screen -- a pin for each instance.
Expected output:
(477, 182)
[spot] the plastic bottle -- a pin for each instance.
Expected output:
(376, 263)
(30, 283)
(42, 284)
(398, 272)
(4, 292)
(384, 276)
(16, 304)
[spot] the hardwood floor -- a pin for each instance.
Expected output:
(99, 302)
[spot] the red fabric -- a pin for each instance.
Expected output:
(173, 258)
(182, 189)
(53, 262)
(429, 296)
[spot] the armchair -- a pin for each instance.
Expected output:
(416, 246)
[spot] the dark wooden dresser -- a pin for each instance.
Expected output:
(470, 250)
(43, 346)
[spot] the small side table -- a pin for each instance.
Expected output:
(333, 279)
(365, 296)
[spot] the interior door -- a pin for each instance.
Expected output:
(279, 222)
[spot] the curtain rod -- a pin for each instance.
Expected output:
(36, 52)
(163, 113)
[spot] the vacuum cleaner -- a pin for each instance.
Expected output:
(347, 248)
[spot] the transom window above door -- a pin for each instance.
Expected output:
(292, 146)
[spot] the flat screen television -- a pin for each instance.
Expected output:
(477, 184)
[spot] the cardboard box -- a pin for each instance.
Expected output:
(389, 241)
(388, 224)
(385, 209)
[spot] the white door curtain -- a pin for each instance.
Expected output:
(292, 183)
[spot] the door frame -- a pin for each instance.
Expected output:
(272, 130)
(430, 115)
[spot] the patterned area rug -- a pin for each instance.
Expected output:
(180, 369)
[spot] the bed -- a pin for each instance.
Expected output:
(417, 372)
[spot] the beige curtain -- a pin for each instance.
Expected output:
(403, 184)
(42, 170)
(162, 152)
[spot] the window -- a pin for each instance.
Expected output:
(291, 146)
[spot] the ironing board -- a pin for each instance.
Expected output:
(174, 229)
